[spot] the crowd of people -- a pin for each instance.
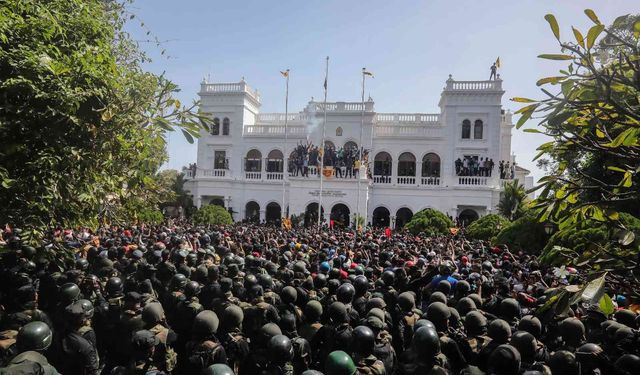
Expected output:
(252, 299)
(483, 167)
(345, 161)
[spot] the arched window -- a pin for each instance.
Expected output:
(406, 164)
(225, 126)
(253, 161)
(382, 164)
(215, 128)
(466, 129)
(275, 161)
(431, 165)
(338, 131)
(477, 129)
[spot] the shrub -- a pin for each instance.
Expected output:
(431, 222)
(149, 216)
(526, 234)
(487, 227)
(212, 214)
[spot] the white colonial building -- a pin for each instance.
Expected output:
(415, 159)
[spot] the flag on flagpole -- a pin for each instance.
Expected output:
(367, 73)
(325, 83)
(285, 73)
(498, 62)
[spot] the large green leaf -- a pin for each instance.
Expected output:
(593, 34)
(553, 23)
(555, 56)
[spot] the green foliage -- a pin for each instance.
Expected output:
(82, 122)
(486, 227)
(513, 200)
(148, 216)
(526, 234)
(591, 111)
(214, 215)
(430, 222)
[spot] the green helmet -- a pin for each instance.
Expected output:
(280, 349)
(232, 316)
(313, 310)
(153, 313)
(206, 323)
(69, 292)
(426, 343)
(177, 282)
(339, 363)
(218, 369)
(406, 301)
(311, 372)
(35, 336)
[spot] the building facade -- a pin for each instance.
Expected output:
(257, 164)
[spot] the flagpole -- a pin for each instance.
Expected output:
(360, 152)
(285, 171)
(324, 129)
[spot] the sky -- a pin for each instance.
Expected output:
(411, 46)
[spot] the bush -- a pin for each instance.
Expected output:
(526, 234)
(486, 227)
(212, 214)
(430, 222)
(149, 216)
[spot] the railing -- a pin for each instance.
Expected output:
(253, 175)
(229, 88)
(473, 181)
(278, 118)
(407, 118)
(381, 179)
(407, 131)
(215, 172)
(406, 180)
(188, 173)
(273, 130)
(274, 176)
(340, 107)
(474, 85)
(430, 181)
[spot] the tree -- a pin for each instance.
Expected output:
(513, 200)
(593, 119)
(486, 227)
(214, 215)
(430, 222)
(82, 122)
(526, 234)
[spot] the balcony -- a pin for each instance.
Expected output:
(253, 175)
(382, 180)
(229, 88)
(273, 130)
(275, 176)
(214, 172)
(408, 131)
(473, 181)
(406, 180)
(495, 85)
(430, 181)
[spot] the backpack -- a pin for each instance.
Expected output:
(202, 355)
(170, 356)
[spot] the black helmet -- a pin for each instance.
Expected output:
(509, 309)
(69, 292)
(87, 306)
(265, 281)
(626, 317)
(280, 349)
(438, 297)
(476, 299)
(339, 363)
(177, 282)
(269, 330)
(426, 343)
(572, 330)
(444, 286)
(531, 324)
(406, 301)
(206, 323)
(35, 336)
(504, 360)
(345, 293)
(192, 289)
(313, 311)
(375, 302)
(218, 369)
(232, 316)
(423, 323)
(82, 264)
(250, 281)
(499, 330)
(114, 286)
(465, 305)
(462, 288)
(338, 313)
(363, 341)
(153, 313)
(628, 364)
(388, 277)
(438, 313)
(526, 345)
(563, 362)
(289, 294)
(320, 281)
(361, 284)
(475, 323)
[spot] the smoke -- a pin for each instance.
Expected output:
(313, 121)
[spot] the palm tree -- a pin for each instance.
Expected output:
(513, 200)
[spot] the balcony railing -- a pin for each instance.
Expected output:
(408, 131)
(407, 118)
(271, 176)
(215, 172)
(495, 85)
(430, 181)
(381, 179)
(473, 181)
(229, 88)
(253, 175)
(406, 180)
(274, 130)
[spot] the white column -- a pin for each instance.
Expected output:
(199, 201)
(263, 215)
(419, 172)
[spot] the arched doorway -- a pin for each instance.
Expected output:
(431, 165)
(217, 202)
(403, 216)
(275, 161)
(252, 212)
(382, 164)
(467, 216)
(406, 165)
(274, 213)
(253, 161)
(340, 215)
(311, 214)
(381, 217)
